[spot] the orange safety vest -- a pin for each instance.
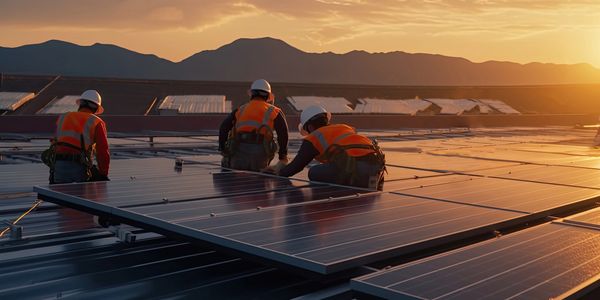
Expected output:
(342, 135)
(71, 126)
(256, 115)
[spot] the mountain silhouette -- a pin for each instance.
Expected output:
(273, 59)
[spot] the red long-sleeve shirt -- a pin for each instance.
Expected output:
(102, 152)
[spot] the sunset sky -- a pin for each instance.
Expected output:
(479, 30)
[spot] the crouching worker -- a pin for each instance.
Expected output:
(80, 136)
(246, 138)
(347, 158)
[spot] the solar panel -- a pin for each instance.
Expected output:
(527, 197)
(28, 176)
(588, 219)
(323, 236)
(516, 156)
(61, 105)
(549, 261)
(559, 175)
(331, 104)
(391, 106)
(199, 185)
(500, 106)
(37, 174)
(440, 163)
(398, 185)
(590, 162)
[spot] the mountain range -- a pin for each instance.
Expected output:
(275, 60)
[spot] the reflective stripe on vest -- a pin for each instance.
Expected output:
(338, 134)
(255, 115)
(73, 135)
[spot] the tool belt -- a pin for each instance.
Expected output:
(250, 138)
(70, 157)
(49, 157)
(338, 155)
(255, 137)
(370, 158)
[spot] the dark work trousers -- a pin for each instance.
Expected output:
(68, 171)
(368, 175)
(250, 157)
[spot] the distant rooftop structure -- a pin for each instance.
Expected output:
(460, 106)
(500, 106)
(391, 106)
(60, 105)
(334, 105)
(13, 100)
(194, 104)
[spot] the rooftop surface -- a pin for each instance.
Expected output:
(496, 205)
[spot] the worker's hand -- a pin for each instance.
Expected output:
(280, 165)
(269, 170)
(225, 162)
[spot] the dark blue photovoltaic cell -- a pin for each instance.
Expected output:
(544, 262)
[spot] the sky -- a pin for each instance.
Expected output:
(555, 31)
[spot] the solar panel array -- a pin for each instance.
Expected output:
(551, 261)
(437, 192)
(322, 235)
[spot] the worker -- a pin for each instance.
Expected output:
(347, 157)
(80, 135)
(246, 138)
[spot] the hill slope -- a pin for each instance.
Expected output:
(248, 59)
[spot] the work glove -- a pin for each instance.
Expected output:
(280, 165)
(225, 162)
(268, 170)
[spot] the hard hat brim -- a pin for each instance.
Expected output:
(100, 109)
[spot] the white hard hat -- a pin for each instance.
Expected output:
(94, 97)
(261, 85)
(308, 114)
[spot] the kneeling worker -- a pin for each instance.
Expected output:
(347, 158)
(246, 138)
(80, 135)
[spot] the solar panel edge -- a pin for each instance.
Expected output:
(382, 292)
(428, 243)
(160, 226)
(74, 202)
(582, 289)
